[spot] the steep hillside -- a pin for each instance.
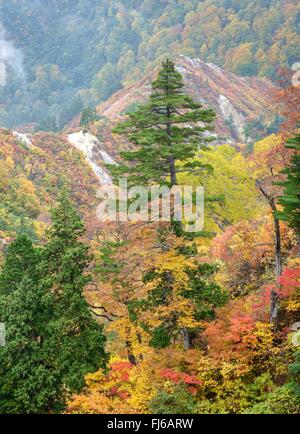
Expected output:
(62, 55)
(243, 105)
(33, 169)
(35, 166)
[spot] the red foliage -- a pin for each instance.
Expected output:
(289, 98)
(225, 335)
(120, 370)
(286, 284)
(289, 281)
(238, 319)
(118, 375)
(178, 377)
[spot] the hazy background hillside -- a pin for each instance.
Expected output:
(63, 55)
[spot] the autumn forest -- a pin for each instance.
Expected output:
(146, 314)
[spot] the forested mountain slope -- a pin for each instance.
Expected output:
(244, 105)
(149, 315)
(61, 55)
(33, 169)
(39, 163)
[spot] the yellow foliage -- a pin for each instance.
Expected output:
(230, 182)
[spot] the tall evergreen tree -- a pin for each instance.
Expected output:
(290, 199)
(21, 259)
(28, 383)
(76, 339)
(166, 130)
(52, 340)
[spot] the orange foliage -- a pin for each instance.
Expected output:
(289, 98)
(247, 249)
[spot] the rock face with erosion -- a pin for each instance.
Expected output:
(90, 146)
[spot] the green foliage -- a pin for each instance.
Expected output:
(177, 401)
(161, 337)
(52, 339)
(106, 82)
(49, 124)
(258, 128)
(160, 132)
(71, 327)
(102, 46)
(205, 293)
(88, 116)
(21, 259)
(28, 382)
(290, 199)
(65, 113)
(282, 401)
(201, 289)
(108, 264)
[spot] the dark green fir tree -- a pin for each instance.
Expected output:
(52, 340)
(28, 381)
(21, 259)
(76, 339)
(167, 130)
(290, 199)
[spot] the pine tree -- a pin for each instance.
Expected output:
(52, 340)
(21, 259)
(76, 339)
(28, 383)
(166, 130)
(290, 199)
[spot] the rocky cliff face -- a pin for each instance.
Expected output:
(94, 153)
(238, 101)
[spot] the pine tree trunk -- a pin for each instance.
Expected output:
(173, 174)
(274, 307)
(139, 339)
(172, 168)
